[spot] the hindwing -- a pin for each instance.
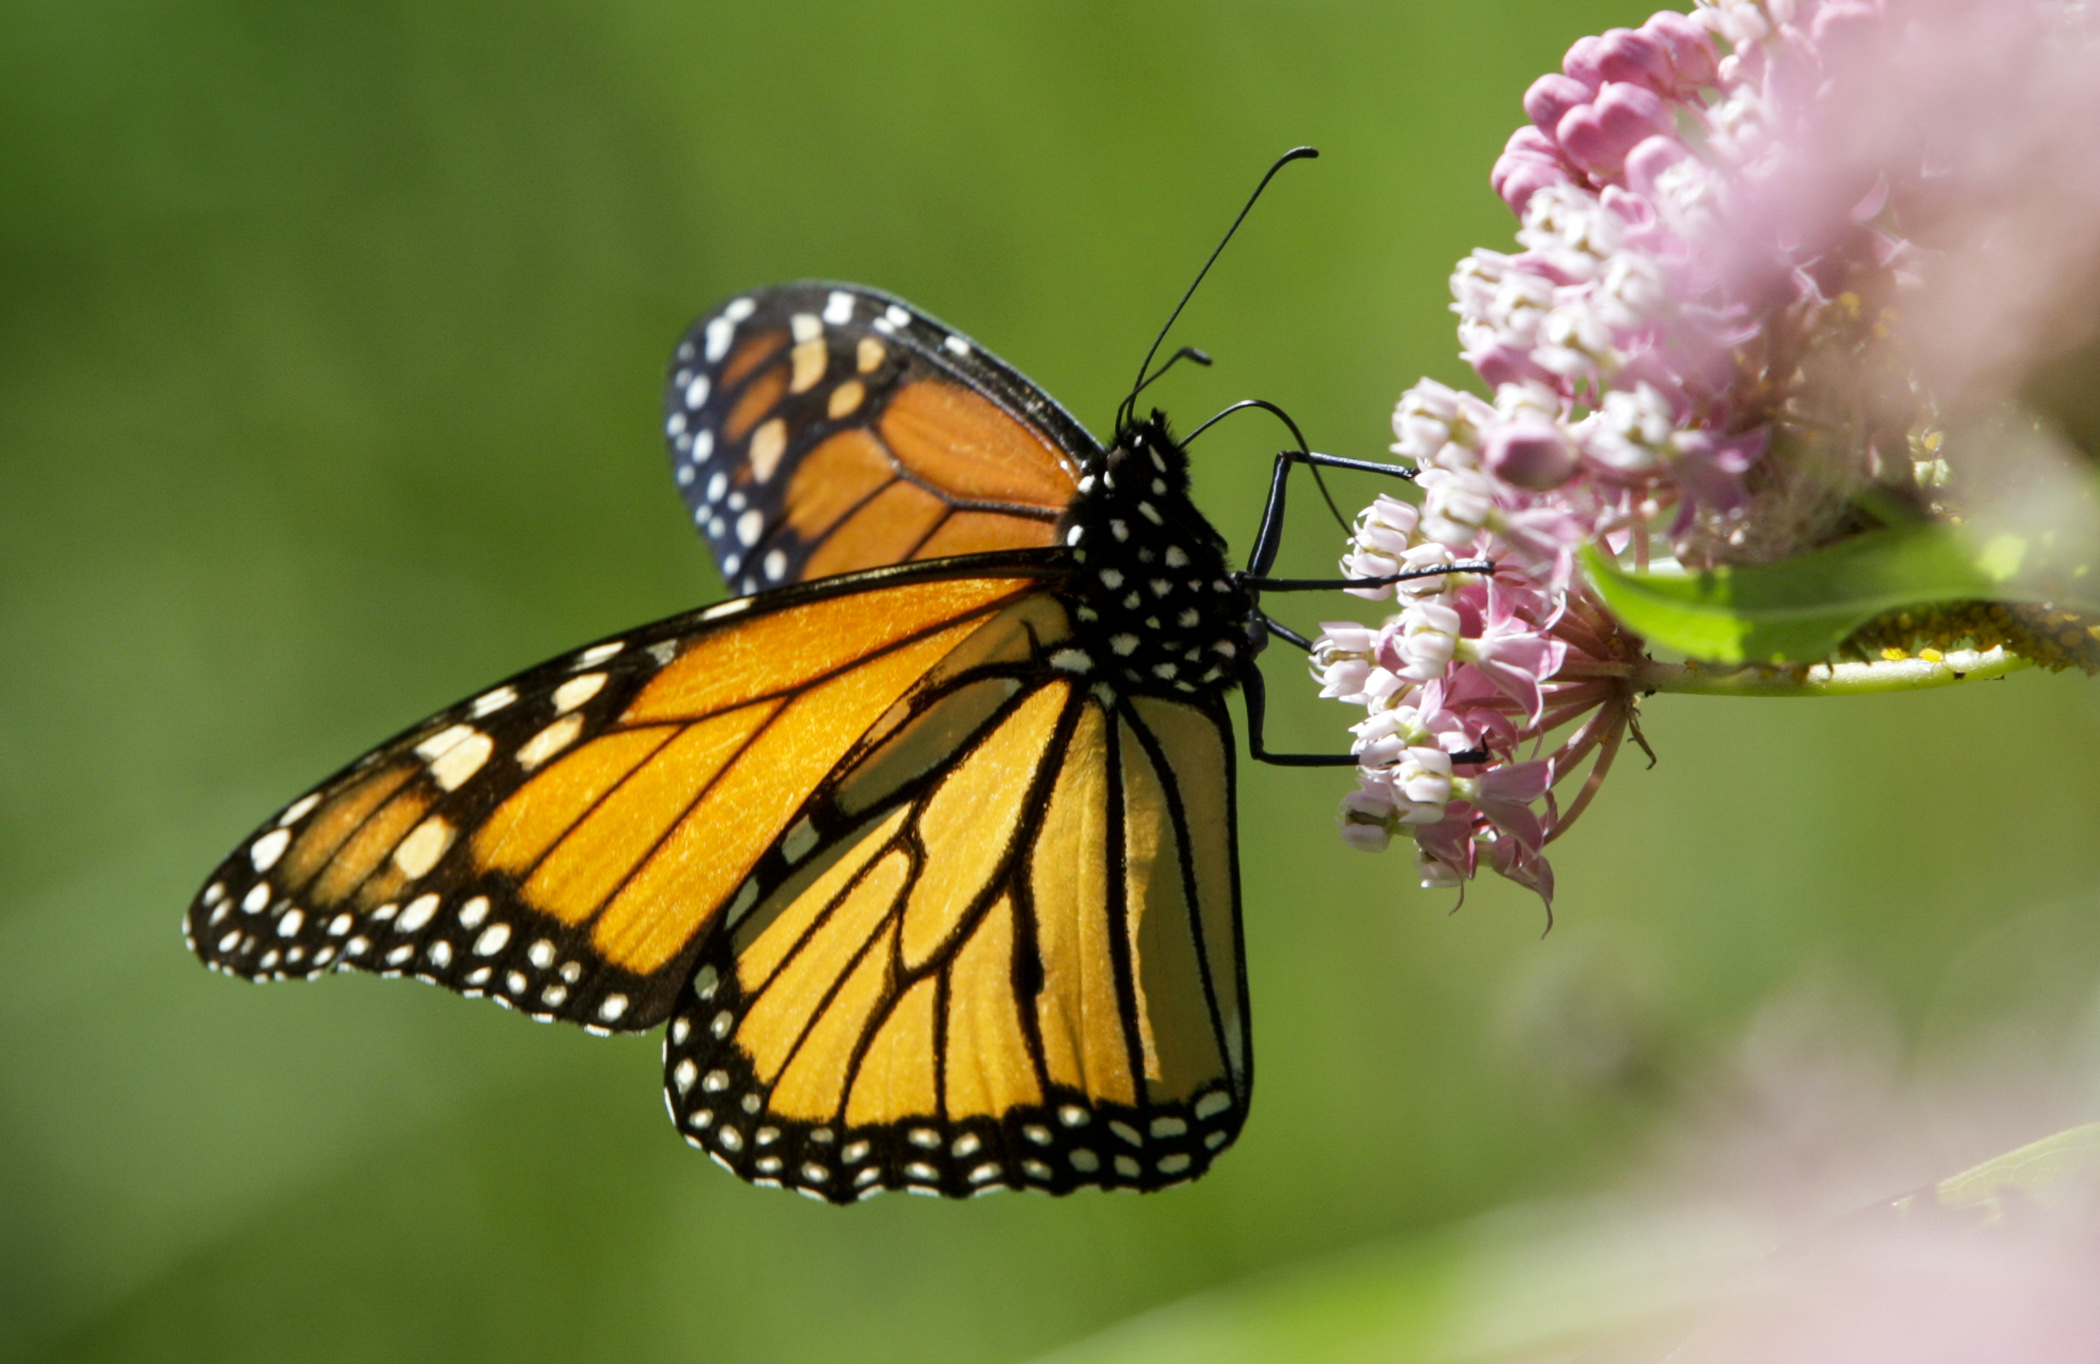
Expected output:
(1009, 956)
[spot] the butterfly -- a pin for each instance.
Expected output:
(921, 851)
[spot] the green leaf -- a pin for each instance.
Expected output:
(2039, 1173)
(1800, 609)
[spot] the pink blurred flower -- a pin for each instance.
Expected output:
(1763, 246)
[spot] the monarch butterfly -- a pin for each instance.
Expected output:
(923, 848)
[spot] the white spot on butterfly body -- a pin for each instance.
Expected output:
(1176, 558)
(1111, 578)
(577, 690)
(1071, 660)
(1124, 645)
(269, 848)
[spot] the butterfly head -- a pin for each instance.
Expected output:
(1156, 606)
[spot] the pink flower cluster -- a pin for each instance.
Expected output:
(1638, 350)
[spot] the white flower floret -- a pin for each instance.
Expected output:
(1427, 641)
(1456, 505)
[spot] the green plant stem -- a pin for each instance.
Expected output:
(1828, 679)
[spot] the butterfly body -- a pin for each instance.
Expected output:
(1157, 606)
(922, 852)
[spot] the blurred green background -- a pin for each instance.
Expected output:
(330, 344)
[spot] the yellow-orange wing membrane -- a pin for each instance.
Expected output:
(1000, 948)
(817, 429)
(565, 842)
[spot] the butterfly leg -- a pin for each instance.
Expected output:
(1257, 739)
(1269, 538)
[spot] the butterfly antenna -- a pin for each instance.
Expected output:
(1128, 409)
(1185, 353)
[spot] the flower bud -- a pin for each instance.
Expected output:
(1692, 59)
(1636, 57)
(1366, 820)
(1533, 455)
(1597, 136)
(1551, 96)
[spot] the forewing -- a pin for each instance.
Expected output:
(1014, 961)
(822, 428)
(563, 842)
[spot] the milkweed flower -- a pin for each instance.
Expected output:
(1771, 252)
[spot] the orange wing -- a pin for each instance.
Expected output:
(564, 842)
(1008, 955)
(823, 428)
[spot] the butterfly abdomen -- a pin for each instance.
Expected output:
(1155, 607)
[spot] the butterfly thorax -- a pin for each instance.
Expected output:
(1155, 607)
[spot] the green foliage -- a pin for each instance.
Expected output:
(1800, 609)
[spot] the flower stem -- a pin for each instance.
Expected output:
(1830, 679)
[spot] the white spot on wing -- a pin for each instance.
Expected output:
(455, 765)
(838, 309)
(955, 345)
(419, 912)
(299, 810)
(750, 526)
(598, 653)
(718, 335)
(425, 844)
(269, 848)
(805, 326)
(488, 703)
(577, 690)
(549, 741)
